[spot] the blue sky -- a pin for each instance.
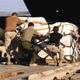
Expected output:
(12, 6)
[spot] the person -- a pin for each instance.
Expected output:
(54, 42)
(28, 43)
(10, 32)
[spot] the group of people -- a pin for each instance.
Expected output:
(10, 33)
(27, 37)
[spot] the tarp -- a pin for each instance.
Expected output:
(40, 24)
(9, 6)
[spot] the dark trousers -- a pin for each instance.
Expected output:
(30, 51)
